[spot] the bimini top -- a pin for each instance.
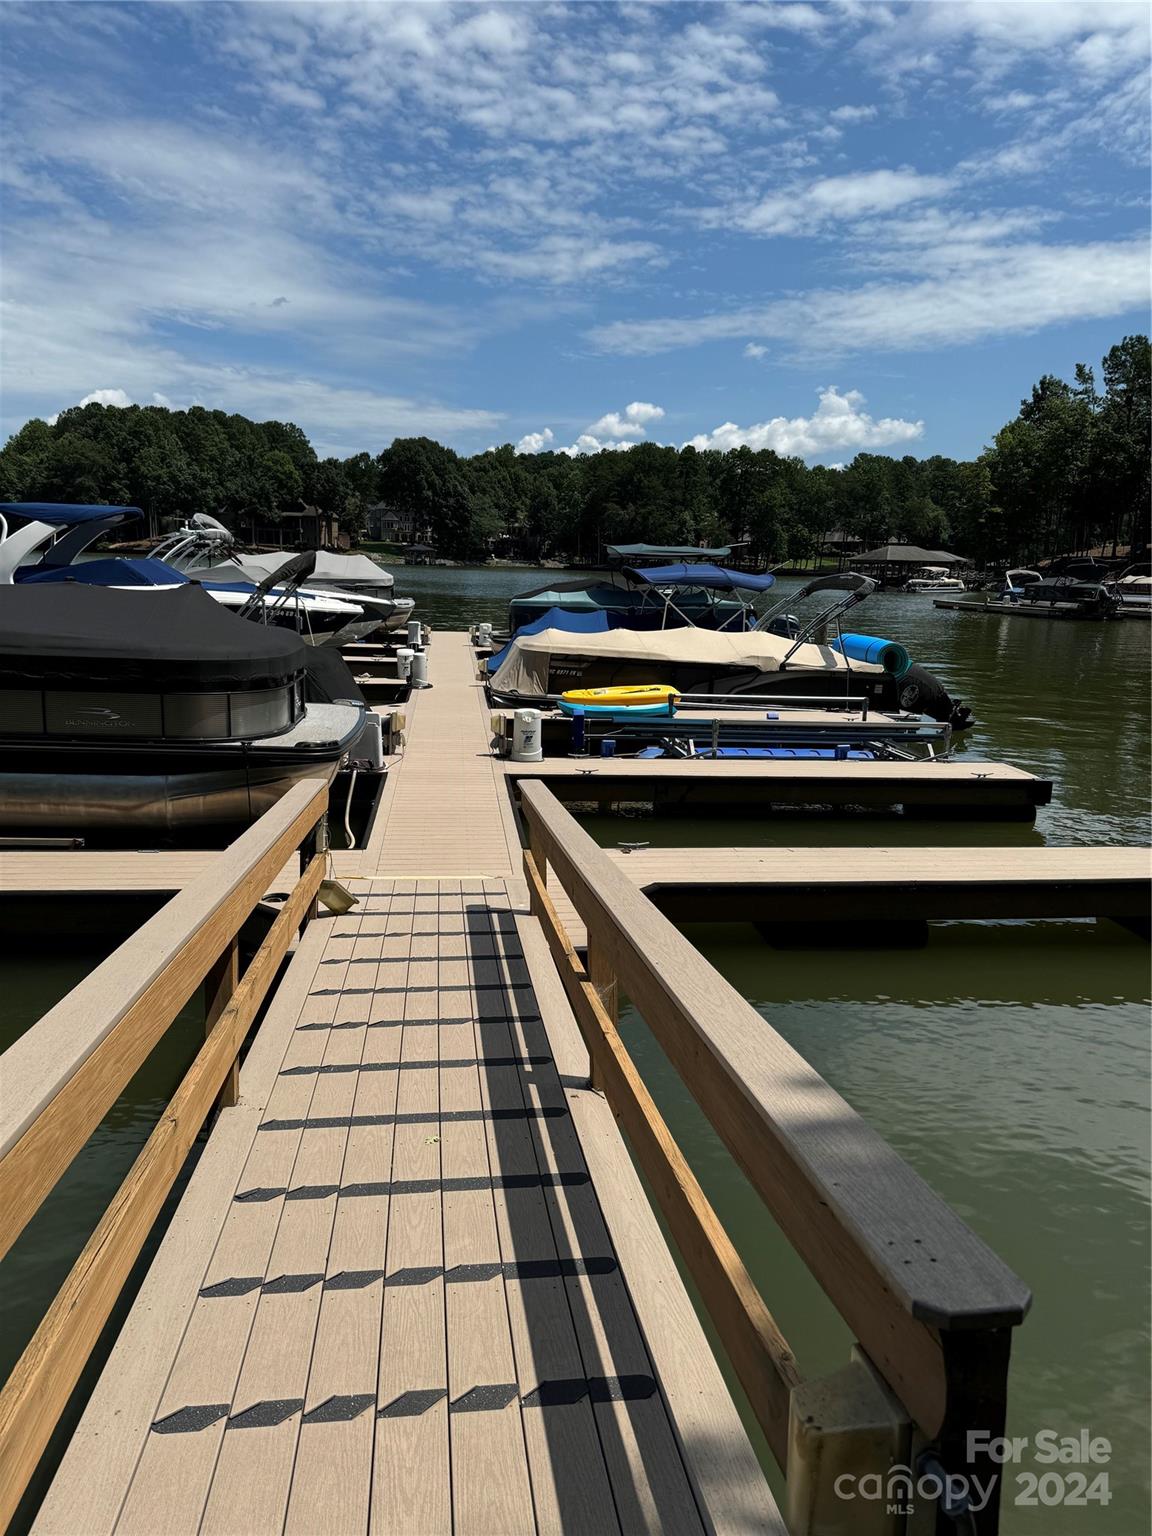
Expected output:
(63, 512)
(666, 552)
(710, 576)
(77, 636)
(528, 662)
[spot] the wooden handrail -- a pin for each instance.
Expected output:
(78, 1057)
(758, 1350)
(926, 1298)
(159, 968)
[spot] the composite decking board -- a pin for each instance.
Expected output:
(214, 1354)
(882, 866)
(651, 1488)
(411, 1479)
(491, 1490)
(332, 1476)
(90, 871)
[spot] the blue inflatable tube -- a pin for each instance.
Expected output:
(620, 712)
(884, 653)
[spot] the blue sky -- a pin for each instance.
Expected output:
(820, 228)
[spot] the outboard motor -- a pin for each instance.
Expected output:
(921, 693)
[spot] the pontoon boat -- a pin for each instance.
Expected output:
(155, 709)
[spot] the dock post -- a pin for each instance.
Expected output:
(219, 985)
(849, 1450)
(315, 843)
(604, 981)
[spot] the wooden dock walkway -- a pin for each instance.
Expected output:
(414, 1285)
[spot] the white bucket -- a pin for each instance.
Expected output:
(526, 736)
(371, 743)
(484, 634)
(404, 663)
(419, 670)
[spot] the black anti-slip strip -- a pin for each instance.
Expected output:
(422, 1117)
(488, 1018)
(341, 1408)
(417, 1066)
(414, 1186)
(463, 986)
(459, 1274)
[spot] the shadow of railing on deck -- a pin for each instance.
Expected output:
(592, 1401)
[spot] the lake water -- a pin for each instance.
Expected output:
(1008, 1063)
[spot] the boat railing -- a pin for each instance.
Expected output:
(66, 1072)
(931, 1308)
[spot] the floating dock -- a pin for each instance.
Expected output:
(1022, 610)
(938, 788)
(898, 884)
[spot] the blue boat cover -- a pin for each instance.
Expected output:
(711, 576)
(62, 512)
(594, 623)
(109, 573)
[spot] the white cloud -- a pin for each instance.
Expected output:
(1010, 290)
(834, 200)
(115, 397)
(754, 350)
(838, 422)
(631, 423)
(615, 429)
(107, 397)
(848, 114)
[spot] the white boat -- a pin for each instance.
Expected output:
(1132, 590)
(47, 550)
(206, 550)
(933, 578)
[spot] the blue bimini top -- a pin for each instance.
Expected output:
(714, 577)
(63, 512)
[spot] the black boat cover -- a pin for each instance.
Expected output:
(67, 636)
(329, 680)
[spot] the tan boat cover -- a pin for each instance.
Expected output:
(525, 669)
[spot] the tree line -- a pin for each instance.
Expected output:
(1070, 472)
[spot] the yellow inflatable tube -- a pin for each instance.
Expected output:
(642, 693)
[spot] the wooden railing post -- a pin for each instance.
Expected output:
(603, 979)
(219, 985)
(316, 843)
